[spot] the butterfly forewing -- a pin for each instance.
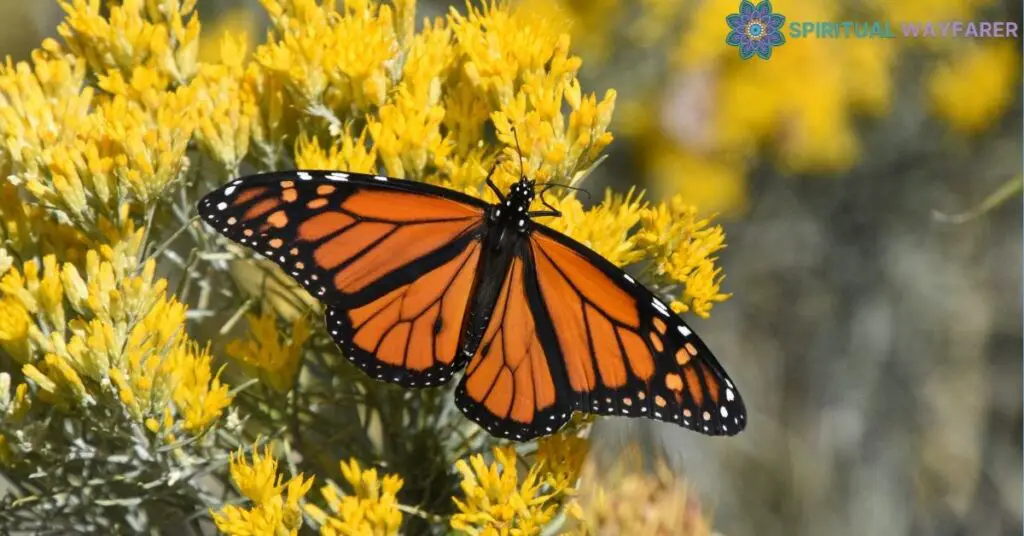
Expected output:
(393, 260)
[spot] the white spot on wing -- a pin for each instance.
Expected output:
(222, 205)
(630, 279)
(729, 395)
(305, 176)
(724, 412)
(685, 331)
(229, 190)
(381, 178)
(660, 306)
(337, 176)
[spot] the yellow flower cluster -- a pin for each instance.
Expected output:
(371, 508)
(276, 361)
(275, 508)
(161, 36)
(90, 157)
(112, 332)
(497, 502)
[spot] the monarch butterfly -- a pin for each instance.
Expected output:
(420, 282)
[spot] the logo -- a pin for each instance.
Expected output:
(755, 30)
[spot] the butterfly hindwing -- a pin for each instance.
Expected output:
(624, 352)
(512, 387)
(409, 335)
(392, 260)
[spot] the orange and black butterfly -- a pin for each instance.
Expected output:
(421, 282)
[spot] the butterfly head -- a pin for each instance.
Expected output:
(515, 208)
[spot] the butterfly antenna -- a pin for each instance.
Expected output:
(522, 166)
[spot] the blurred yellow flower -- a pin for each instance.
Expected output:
(626, 499)
(371, 509)
(975, 86)
(275, 503)
(228, 37)
(277, 360)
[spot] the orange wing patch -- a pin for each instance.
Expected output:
(403, 207)
(418, 325)
(509, 374)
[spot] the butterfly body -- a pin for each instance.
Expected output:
(420, 282)
(507, 222)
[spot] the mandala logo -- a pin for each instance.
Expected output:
(755, 29)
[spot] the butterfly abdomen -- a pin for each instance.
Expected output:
(500, 247)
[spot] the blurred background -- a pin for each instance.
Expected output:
(870, 191)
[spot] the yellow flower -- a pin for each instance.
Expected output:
(372, 508)
(974, 88)
(351, 154)
(562, 456)
(227, 38)
(275, 503)
(681, 246)
(276, 360)
(269, 130)
(499, 44)
(87, 158)
(199, 395)
(14, 329)
(134, 34)
(225, 112)
(496, 502)
(407, 136)
(428, 58)
(358, 70)
(314, 51)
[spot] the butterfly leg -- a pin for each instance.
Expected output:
(491, 185)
